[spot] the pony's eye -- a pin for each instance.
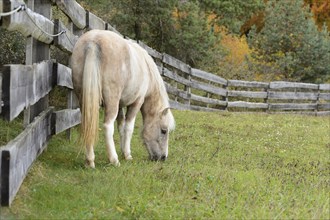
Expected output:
(163, 131)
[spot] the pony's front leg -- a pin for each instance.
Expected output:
(128, 128)
(127, 136)
(110, 144)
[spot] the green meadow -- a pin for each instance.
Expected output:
(220, 166)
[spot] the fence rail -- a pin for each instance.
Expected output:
(26, 87)
(193, 89)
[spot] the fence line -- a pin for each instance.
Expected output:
(26, 87)
(194, 89)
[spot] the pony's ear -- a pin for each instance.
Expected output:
(165, 111)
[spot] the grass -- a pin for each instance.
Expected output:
(220, 166)
(9, 130)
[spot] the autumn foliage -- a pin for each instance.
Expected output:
(213, 35)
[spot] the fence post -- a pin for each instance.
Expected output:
(188, 88)
(225, 98)
(37, 51)
(266, 99)
(1, 102)
(71, 102)
(208, 95)
(316, 110)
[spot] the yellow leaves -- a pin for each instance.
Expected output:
(237, 47)
(320, 9)
(211, 20)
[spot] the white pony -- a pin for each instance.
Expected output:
(108, 69)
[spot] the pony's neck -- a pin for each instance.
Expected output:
(154, 103)
(156, 98)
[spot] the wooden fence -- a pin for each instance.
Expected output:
(26, 87)
(194, 89)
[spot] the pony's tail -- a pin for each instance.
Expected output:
(91, 96)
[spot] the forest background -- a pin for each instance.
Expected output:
(263, 40)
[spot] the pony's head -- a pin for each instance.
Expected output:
(156, 134)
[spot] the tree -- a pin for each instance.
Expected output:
(290, 46)
(232, 14)
(321, 11)
(147, 20)
(179, 28)
(193, 41)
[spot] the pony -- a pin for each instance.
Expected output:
(110, 71)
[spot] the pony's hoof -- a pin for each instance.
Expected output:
(115, 163)
(129, 157)
(90, 164)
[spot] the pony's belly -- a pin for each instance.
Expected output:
(133, 92)
(127, 100)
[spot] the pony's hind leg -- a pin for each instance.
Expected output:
(110, 117)
(121, 126)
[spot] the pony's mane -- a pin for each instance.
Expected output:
(160, 86)
(159, 83)
(156, 78)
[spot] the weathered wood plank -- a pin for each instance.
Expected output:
(74, 11)
(323, 113)
(20, 21)
(178, 105)
(247, 94)
(205, 109)
(151, 51)
(24, 85)
(178, 64)
(248, 84)
(292, 85)
(251, 105)
(18, 155)
(64, 75)
(1, 102)
(160, 69)
(323, 106)
(65, 119)
(184, 95)
(208, 88)
(37, 51)
(175, 77)
(194, 83)
(65, 41)
(177, 92)
(94, 22)
(208, 76)
(208, 100)
(293, 95)
(324, 96)
(324, 87)
(110, 28)
(292, 106)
